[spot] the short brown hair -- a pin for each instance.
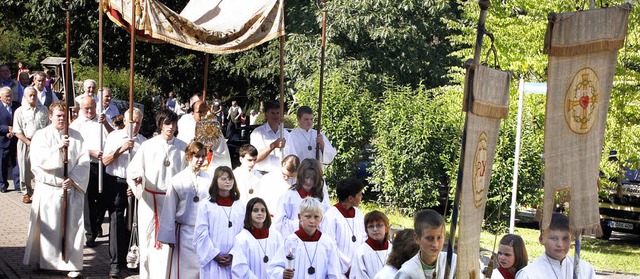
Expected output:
(403, 248)
(377, 216)
(192, 149)
(427, 219)
(57, 105)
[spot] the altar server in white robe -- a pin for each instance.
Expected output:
(273, 185)
(315, 254)
(44, 236)
(247, 177)
(345, 222)
(555, 263)
(271, 140)
(403, 249)
(149, 173)
(187, 189)
(218, 221)
(512, 256)
(309, 183)
(371, 256)
(256, 244)
(306, 140)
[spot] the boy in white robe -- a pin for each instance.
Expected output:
(430, 262)
(309, 183)
(273, 185)
(44, 238)
(307, 253)
(272, 148)
(187, 189)
(247, 178)
(306, 140)
(345, 222)
(148, 174)
(555, 263)
(218, 221)
(371, 256)
(256, 245)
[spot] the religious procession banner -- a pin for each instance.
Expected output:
(217, 27)
(583, 50)
(487, 92)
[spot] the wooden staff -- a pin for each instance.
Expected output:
(206, 77)
(132, 53)
(322, 48)
(484, 6)
(67, 87)
(100, 107)
(282, 92)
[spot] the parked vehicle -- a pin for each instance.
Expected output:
(620, 207)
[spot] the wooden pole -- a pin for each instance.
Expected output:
(100, 78)
(321, 86)
(67, 88)
(206, 77)
(484, 7)
(282, 89)
(132, 53)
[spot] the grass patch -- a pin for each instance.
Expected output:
(604, 255)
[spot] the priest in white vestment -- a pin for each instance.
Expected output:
(44, 238)
(148, 174)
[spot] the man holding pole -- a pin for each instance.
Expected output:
(307, 140)
(46, 234)
(90, 126)
(271, 140)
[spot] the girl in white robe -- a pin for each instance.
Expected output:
(307, 253)
(218, 221)
(512, 256)
(309, 183)
(403, 249)
(256, 245)
(152, 167)
(275, 184)
(186, 190)
(371, 256)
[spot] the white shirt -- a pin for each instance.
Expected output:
(116, 139)
(90, 130)
(261, 138)
(110, 112)
(42, 96)
(248, 182)
(302, 140)
(544, 267)
(187, 128)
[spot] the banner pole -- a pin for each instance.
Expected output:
(100, 105)
(484, 6)
(516, 160)
(321, 86)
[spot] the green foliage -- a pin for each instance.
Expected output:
(417, 136)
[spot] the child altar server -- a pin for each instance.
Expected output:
(371, 256)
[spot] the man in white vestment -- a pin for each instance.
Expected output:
(187, 133)
(44, 240)
(150, 170)
(119, 148)
(306, 140)
(90, 127)
(271, 147)
(28, 119)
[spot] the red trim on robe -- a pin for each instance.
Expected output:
(347, 213)
(506, 273)
(260, 233)
(376, 246)
(305, 237)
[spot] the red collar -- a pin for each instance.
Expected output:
(224, 201)
(303, 193)
(506, 273)
(376, 246)
(347, 213)
(305, 237)
(260, 233)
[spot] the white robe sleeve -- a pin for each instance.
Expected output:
(275, 269)
(329, 152)
(240, 266)
(201, 240)
(136, 170)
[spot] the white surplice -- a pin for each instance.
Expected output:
(248, 182)
(322, 255)
(286, 217)
(44, 238)
(187, 133)
(546, 267)
(214, 237)
(261, 138)
(387, 272)
(90, 130)
(302, 140)
(412, 269)
(149, 164)
(272, 188)
(178, 220)
(343, 230)
(249, 254)
(366, 262)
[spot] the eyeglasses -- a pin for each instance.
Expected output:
(378, 226)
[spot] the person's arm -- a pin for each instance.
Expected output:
(112, 156)
(22, 138)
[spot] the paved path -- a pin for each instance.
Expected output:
(14, 222)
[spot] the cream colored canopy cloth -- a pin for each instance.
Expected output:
(583, 50)
(218, 26)
(488, 91)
